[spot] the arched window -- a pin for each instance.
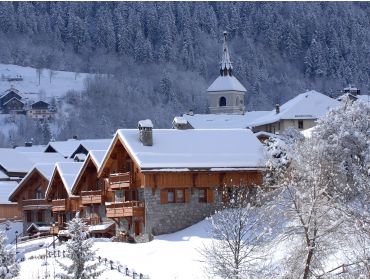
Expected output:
(222, 101)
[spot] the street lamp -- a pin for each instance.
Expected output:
(16, 241)
(53, 224)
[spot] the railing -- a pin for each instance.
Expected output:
(125, 209)
(120, 180)
(91, 197)
(35, 203)
(58, 205)
(91, 221)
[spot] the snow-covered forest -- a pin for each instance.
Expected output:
(161, 57)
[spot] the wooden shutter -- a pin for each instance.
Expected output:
(187, 195)
(209, 195)
(163, 196)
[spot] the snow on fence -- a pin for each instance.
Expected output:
(110, 264)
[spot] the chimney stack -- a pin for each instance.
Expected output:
(277, 108)
(180, 123)
(146, 132)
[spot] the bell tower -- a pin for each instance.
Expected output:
(226, 93)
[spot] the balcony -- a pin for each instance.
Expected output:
(91, 221)
(34, 204)
(91, 197)
(58, 205)
(125, 209)
(120, 180)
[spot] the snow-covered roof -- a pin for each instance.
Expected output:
(65, 148)
(13, 161)
(308, 105)
(97, 157)
(41, 157)
(195, 148)
(14, 98)
(180, 120)
(145, 123)
(223, 120)
(40, 228)
(3, 176)
(68, 172)
(79, 157)
(6, 188)
(101, 227)
(226, 83)
(31, 149)
(45, 170)
(95, 144)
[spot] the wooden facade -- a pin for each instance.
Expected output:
(31, 201)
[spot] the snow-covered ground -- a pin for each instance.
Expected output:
(10, 228)
(60, 83)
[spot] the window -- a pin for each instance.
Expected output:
(38, 193)
(171, 196)
(180, 196)
(237, 100)
(222, 101)
(300, 124)
(202, 195)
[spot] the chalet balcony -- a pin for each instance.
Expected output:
(91, 221)
(91, 197)
(125, 209)
(120, 180)
(58, 205)
(34, 204)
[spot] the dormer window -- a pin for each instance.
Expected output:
(222, 102)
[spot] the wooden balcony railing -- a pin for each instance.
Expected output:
(91, 197)
(30, 204)
(91, 221)
(120, 180)
(58, 205)
(125, 209)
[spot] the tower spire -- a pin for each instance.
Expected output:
(226, 66)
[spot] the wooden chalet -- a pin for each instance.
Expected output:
(40, 110)
(8, 210)
(8, 95)
(30, 197)
(64, 205)
(167, 179)
(93, 193)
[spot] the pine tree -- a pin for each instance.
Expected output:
(79, 252)
(9, 267)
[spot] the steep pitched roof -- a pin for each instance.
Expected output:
(65, 148)
(13, 161)
(68, 172)
(46, 170)
(194, 149)
(91, 144)
(226, 83)
(96, 157)
(14, 98)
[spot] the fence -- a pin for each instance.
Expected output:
(109, 264)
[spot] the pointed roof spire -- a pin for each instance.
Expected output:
(226, 65)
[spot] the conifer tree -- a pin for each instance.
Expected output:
(79, 252)
(9, 267)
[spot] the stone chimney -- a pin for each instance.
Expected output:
(74, 137)
(277, 108)
(180, 123)
(146, 132)
(190, 113)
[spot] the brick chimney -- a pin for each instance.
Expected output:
(146, 132)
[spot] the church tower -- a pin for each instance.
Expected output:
(226, 93)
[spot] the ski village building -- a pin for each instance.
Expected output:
(148, 181)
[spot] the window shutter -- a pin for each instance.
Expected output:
(187, 195)
(163, 196)
(209, 195)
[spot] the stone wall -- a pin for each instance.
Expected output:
(171, 217)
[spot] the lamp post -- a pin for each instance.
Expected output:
(53, 225)
(16, 241)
